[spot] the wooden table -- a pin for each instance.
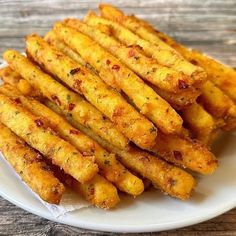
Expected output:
(208, 25)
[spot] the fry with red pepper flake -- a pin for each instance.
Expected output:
(164, 55)
(83, 112)
(131, 123)
(30, 166)
(185, 152)
(170, 179)
(117, 75)
(109, 167)
(62, 153)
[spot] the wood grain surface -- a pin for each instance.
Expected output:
(208, 25)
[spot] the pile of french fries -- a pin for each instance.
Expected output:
(109, 104)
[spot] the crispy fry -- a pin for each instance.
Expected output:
(32, 129)
(221, 75)
(80, 109)
(163, 77)
(200, 122)
(163, 56)
(132, 124)
(148, 102)
(12, 77)
(186, 153)
(30, 167)
(168, 178)
(109, 167)
(98, 191)
(218, 104)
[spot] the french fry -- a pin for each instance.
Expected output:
(30, 167)
(109, 167)
(31, 129)
(217, 103)
(80, 109)
(185, 152)
(131, 123)
(148, 102)
(12, 77)
(200, 122)
(169, 58)
(170, 179)
(98, 191)
(221, 75)
(163, 77)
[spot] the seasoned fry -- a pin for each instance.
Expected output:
(148, 102)
(80, 109)
(109, 167)
(163, 77)
(168, 178)
(221, 75)
(98, 191)
(132, 124)
(32, 129)
(169, 58)
(12, 77)
(199, 121)
(186, 153)
(218, 104)
(30, 167)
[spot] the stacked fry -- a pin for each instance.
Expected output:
(109, 104)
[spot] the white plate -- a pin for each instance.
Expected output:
(152, 211)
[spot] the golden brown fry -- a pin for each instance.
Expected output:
(109, 167)
(12, 77)
(186, 153)
(80, 109)
(168, 178)
(163, 56)
(32, 129)
(163, 77)
(99, 191)
(30, 166)
(200, 122)
(221, 75)
(147, 101)
(131, 123)
(218, 104)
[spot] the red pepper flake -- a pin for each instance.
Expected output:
(56, 100)
(178, 155)
(77, 84)
(74, 71)
(39, 122)
(17, 101)
(108, 62)
(71, 106)
(131, 53)
(86, 154)
(194, 62)
(115, 67)
(145, 158)
(171, 182)
(74, 131)
(182, 84)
